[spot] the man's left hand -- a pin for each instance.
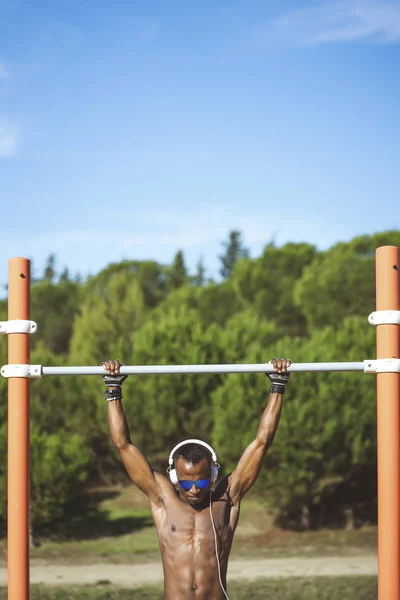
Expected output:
(280, 376)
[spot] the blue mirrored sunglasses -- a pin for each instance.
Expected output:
(186, 484)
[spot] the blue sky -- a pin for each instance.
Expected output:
(132, 130)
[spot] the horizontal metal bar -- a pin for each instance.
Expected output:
(193, 369)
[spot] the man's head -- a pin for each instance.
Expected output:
(193, 463)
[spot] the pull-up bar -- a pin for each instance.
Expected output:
(390, 365)
(36, 371)
(386, 366)
(193, 369)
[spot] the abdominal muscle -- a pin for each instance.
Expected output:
(188, 553)
(191, 575)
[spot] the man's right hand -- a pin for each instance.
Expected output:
(113, 377)
(280, 376)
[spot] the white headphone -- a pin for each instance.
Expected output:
(214, 467)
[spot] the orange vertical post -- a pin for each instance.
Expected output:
(18, 435)
(388, 427)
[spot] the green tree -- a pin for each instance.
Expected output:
(59, 472)
(366, 245)
(199, 278)
(326, 435)
(61, 457)
(53, 307)
(266, 284)
(214, 303)
(50, 269)
(234, 251)
(108, 320)
(341, 281)
(105, 328)
(346, 286)
(150, 274)
(74, 405)
(244, 333)
(165, 409)
(65, 276)
(177, 274)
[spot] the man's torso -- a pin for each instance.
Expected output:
(189, 547)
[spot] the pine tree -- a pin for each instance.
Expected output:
(177, 273)
(199, 278)
(49, 270)
(234, 251)
(65, 275)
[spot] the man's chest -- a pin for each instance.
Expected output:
(185, 525)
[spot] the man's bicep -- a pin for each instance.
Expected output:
(248, 468)
(139, 470)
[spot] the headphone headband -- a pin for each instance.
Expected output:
(191, 441)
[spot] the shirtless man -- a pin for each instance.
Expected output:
(195, 516)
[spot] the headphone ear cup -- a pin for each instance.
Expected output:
(173, 476)
(214, 474)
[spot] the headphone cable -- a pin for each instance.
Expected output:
(216, 550)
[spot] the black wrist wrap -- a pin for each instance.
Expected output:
(277, 388)
(115, 394)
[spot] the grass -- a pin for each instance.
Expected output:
(319, 588)
(120, 530)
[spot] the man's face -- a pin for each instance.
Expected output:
(188, 472)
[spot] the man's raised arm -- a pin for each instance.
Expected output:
(248, 468)
(136, 464)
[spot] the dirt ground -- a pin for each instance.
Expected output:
(151, 573)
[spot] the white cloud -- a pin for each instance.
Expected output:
(8, 139)
(340, 21)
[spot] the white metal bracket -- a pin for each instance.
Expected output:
(384, 317)
(382, 365)
(29, 371)
(18, 326)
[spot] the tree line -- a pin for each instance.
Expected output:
(293, 301)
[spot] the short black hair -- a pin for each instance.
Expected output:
(193, 453)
